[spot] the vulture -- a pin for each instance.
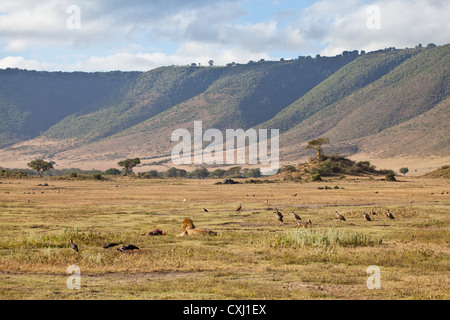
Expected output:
(73, 246)
(389, 215)
(279, 215)
(128, 247)
(239, 208)
(296, 216)
(205, 210)
(367, 216)
(110, 245)
(340, 216)
(373, 212)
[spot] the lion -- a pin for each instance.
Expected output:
(188, 229)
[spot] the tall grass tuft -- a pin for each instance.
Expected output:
(324, 239)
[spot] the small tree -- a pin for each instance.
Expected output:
(40, 166)
(211, 63)
(218, 173)
(234, 172)
(171, 173)
(390, 176)
(253, 173)
(404, 170)
(175, 173)
(112, 172)
(200, 173)
(129, 164)
(317, 144)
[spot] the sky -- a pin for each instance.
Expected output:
(140, 35)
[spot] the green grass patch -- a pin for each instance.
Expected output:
(324, 239)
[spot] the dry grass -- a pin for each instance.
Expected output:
(253, 257)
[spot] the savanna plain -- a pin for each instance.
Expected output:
(253, 255)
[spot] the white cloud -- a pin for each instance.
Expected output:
(403, 23)
(22, 63)
(133, 35)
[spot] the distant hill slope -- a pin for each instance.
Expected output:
(31, 102)
(349, 79)
(391, 102)
(386, 103)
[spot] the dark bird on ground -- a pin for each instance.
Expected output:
(205, 210)
(372, 212)
(279, 215)
(340, 216)
(156, 232)
(367, 216)
(73, 246)
(110, 245)
(389, 215)
(128, 247)
(296, 216)
(239, 208)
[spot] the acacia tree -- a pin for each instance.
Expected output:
(404, 170)
(129, 164)
(317, 144)
(40, 166)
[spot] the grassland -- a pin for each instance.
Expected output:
(253, 257)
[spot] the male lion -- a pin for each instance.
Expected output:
(188, 229)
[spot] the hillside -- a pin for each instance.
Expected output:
(441, 173)
(390, 110)
(31, 102)
(382, 104)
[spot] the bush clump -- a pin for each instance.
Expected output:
(324, 239)
(390, 176)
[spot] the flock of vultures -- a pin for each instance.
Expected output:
(189, 229)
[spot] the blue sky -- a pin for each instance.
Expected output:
(105, 35)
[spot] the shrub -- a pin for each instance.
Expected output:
(201, 173)
(253, 173)
(316, 177)
(218, 173)
(354, 170)
(112, 172)
(324, 239)
(148, 175)
(175, 173)
(326, 168)
(390, 176)
(97, 176)
(288, 168)
(234, 172)
(366, 166)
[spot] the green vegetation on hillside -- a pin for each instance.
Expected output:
(31, 101)
(441, 173)
(369, 100)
